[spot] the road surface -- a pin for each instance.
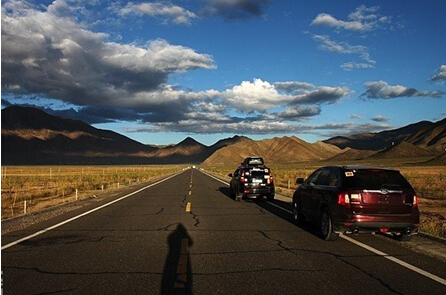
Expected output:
(186, 235)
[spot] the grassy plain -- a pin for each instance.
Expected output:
(44, 186)
(428, 181)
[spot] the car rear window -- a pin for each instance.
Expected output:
(375, 179)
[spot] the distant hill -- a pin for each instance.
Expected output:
(431, 137)
(402, 150)
(276, 150)
(352, 155)
(439, 160)
(33, 137)
(381, 140)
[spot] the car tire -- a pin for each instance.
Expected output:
(297, 213)
(327, 232)
(238, 195)
(402, 237)
(270, 197)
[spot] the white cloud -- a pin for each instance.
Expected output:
(441, 74)
(362, 19)
(349, 66)
(382, 90)
(380, 118)
(344, 48)
(167, 11)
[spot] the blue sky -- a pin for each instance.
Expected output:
(159, 71)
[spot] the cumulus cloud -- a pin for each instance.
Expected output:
(261, 95)
(166, 11)
(54, 56)
(362, 19)
(234, 9)
(441, 74)
(382, 90)
(47, 52)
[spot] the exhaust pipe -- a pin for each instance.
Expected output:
(356, 231)
(408, 232)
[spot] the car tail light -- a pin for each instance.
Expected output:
(242, 178)
(415, 201)
(343, 199)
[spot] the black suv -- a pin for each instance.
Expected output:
(352, 199)
(252, 179)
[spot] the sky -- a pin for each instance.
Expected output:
(161, 71)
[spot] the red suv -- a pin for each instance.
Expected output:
(353, 199)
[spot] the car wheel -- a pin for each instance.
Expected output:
(238, 195)
(402, 237)
(297, 214)
(327, 226)
(270, 197)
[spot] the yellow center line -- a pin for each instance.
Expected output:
(188, 205)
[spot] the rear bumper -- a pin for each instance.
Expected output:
(393, 224)
(255, 192)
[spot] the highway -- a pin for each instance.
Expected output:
(186, 235)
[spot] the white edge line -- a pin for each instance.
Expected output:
(83, 214)
(371, 249)
(396, 260)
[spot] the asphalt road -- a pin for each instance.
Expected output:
(185, 235)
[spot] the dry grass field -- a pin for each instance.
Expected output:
(428, 181)
(26, 189)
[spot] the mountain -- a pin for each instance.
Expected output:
(381, 140)
(431, 137)
(276, 150)
(402, 150)
(352, 155)
(33, 137)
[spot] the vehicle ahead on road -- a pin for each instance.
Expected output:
(353, 199)
(252, 179)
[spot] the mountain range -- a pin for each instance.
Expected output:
(32, 137)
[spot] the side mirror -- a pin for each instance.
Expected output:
(300, 180)
(230, 174)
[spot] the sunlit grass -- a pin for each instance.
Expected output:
(45, 186)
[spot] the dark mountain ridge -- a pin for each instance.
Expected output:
(378, 141)
(33, 137)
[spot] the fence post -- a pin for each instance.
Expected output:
(24, 207)
(77, 194)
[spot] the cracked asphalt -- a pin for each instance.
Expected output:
(148, 243)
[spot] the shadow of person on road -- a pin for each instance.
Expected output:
(177, 275)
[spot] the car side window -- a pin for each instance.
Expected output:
(323, 177)
(333, 178)
(313, 177)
